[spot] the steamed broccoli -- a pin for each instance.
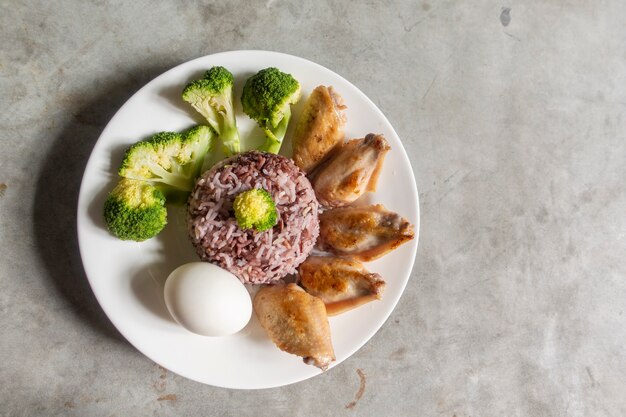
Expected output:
(267, 98)
(169, 158)
(135, 210)
(212, 97)
(255, 209)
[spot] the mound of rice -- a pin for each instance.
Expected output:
(254, 257)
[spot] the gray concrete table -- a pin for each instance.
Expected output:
(514, 117)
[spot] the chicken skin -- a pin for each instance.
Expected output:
(363, 233)
(342, 284)
(352, 171)
(296, 322)
(320, 128)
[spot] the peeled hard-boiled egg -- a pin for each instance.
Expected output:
(207, 300)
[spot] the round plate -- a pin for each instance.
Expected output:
(128, 277)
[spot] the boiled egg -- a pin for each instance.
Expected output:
(207, 300)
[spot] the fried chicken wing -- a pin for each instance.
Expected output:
(363, 233)
(353, 170)
(342, 284)
(320, 128)
(296, 322)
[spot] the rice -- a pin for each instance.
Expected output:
(254, 257)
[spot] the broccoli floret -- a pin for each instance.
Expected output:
(255, 209)
(135, 210)
(267, 97)
(198, 142)
(169, 158)
(212, 97)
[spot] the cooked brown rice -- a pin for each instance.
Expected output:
(254, 257)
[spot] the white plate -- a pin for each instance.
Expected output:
(127, 277)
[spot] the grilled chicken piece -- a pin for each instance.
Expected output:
(352, 171)
(320, 128)
(342, 284)
(364, 233)
(296, 322)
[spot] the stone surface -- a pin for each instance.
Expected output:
(514, 117)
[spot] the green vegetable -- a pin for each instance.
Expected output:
(267, 97)
(172, 159)
(212, 97)
(255, 209)
(135, 210)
